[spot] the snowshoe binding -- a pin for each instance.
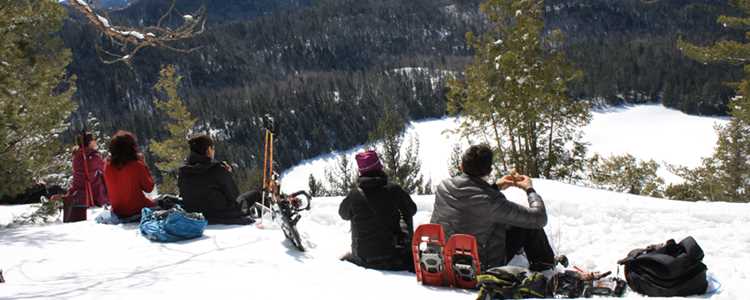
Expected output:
(463, 260)
(428, 244)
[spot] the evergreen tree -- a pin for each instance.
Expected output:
(626, 174)
(515, 92)
(94, 126)
(171, 151)
(342, 178)
(454, 164)
(34, 94)
(726, 175)
(317, 189)
(402, 165)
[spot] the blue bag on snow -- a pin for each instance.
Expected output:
(171, 225)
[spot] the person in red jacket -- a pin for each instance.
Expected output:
(87, 188)
(127, 176)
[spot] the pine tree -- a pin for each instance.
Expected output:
(626, 174)
(94, 126)
(317, 189)
(729, 167)
(34, 93)
(402, 165)
(454, 164)
(515, 92)
(342, 178)
(171, 151)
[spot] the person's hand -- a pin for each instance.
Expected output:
(524, 183)
(226, 166)
(505, 182)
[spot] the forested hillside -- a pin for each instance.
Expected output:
(325, 70)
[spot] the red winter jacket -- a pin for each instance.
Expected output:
(95, 166)
(126, 186)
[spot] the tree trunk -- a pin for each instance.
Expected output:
(548, 168)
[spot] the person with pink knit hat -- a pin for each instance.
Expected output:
(381, 218)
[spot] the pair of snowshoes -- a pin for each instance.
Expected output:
(286, 211)
(289, 209)
(438, 262)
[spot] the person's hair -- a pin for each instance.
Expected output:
(477, 160)
(123, 148)
(83, 139)
(200, 144)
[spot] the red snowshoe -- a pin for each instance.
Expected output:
(428, 244)
(462, 261)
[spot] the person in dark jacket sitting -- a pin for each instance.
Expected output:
(207, 186)
(381, 219)
(468, 204)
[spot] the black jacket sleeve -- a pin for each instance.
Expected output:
(345, 208)
(406, 204)
(227, 185)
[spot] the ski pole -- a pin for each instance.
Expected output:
(87, 186)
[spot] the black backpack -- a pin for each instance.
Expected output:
(667, 270)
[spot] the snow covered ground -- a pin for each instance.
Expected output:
(645, 131)
(594, 228)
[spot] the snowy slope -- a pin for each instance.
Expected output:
(645, 131)
(594, 228)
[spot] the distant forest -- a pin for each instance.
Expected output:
(326, 70)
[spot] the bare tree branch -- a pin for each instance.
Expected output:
(131, 40)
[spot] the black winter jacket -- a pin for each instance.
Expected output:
(469, 205)
(206, 187)
(374, 210)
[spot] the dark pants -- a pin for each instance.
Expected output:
(72, 210)
(398, 263)
(247, 201)
(534, 243)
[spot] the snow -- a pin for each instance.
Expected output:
(10, 212)
(653, 132)
(594, 228)
(133, 33)
(104, 21)
(645, 131)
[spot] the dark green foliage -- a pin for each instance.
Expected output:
(454, 164)
(322, 68)
(34, 94)
(320, 71)
(515, 93)
(626, 174)
(341, 178)
(170, 152)
(726, 175)
(401, 164)
(316, 187)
